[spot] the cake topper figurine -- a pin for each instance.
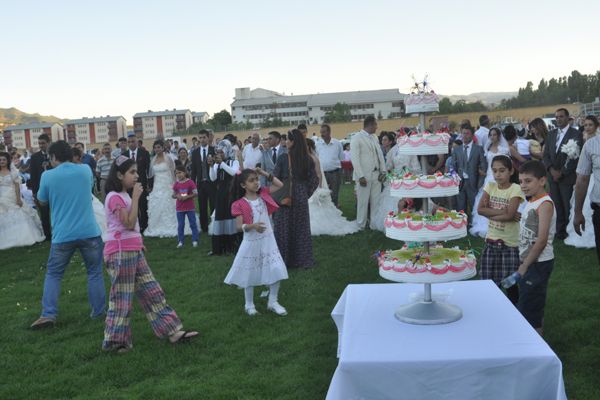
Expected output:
(421, 87)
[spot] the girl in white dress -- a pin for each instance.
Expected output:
(19, 223)
(258, 261)
(162, 215)
(587, 239)
(395, 162)
(495, 146)
(325, 217)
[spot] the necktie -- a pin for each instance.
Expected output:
(203, 154)
(274, 155)
(558, 141)
(133, 155)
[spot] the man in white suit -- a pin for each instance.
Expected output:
(369, 170)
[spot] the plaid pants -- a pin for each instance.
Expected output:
(129, 275)
(498, 261)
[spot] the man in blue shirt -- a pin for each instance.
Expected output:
(67, 189)
(86, 158)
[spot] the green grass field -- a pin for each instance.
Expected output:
(238, 357)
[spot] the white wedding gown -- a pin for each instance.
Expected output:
(587, 239)
(325, 217)
(99, 214)
(19, 226)
(388, 203)
(162, 216)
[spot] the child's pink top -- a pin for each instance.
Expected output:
(186, 187)
(118, 237)
(243, 208)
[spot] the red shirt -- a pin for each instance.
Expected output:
(186, 187)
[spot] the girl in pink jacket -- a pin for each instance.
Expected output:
(258, 261)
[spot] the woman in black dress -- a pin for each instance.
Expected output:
(292, 224)
(224, 168)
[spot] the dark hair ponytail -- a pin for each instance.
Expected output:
(113, 183)
(506, 161)
(238, 190)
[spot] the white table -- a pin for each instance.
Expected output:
(491, 353)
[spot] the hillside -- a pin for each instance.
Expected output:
(13, 116)
(485, 97)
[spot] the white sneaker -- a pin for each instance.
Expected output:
(179, 245)
(277, 308)
(195, 244)
(251, 311)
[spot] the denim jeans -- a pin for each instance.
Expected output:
(59, 258)
(191, 216)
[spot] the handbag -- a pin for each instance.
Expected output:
(283, 195)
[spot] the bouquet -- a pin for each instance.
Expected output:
(571, 149)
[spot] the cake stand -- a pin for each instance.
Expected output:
(426, 311)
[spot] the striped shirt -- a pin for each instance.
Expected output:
(103, 166)
(589, 164)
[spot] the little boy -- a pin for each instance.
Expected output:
(538, 226)
(184, 190)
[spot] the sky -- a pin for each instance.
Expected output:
(77, 59)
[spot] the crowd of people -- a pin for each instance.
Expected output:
(263, 200)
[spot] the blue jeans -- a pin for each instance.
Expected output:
(191, 216)
(59, 258)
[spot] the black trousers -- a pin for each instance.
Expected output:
(206, 199)
(45, 217)
(143, 211)
(561, 196)
(596, 222)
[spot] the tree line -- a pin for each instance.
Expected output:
(576, 87)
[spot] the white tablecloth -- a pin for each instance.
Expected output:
(491, 353)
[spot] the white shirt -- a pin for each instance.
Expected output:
(252, 156)
(276, 149)
(468, 148)
(202, 150)
(482, 135)
(230, 169)
(561, 136)
(330, 155)
(523, 146)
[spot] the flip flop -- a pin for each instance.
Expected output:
(186, 337)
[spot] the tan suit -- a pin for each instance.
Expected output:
(368, 163)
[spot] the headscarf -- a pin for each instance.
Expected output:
(227, 148)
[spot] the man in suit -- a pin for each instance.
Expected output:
(39, 163)
(272, 149)
(470, 164)
(561, 170)
(207, 190)
(142, 159)
(369, 171)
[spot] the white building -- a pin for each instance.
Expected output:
(160, 124)
(95, 130)
(200, 116)
(259, 104)
(25, 136)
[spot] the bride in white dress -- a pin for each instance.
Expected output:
(325, 217)
(495, 146)
(19, 223)
(587, 239)
(395, 162)
(162, 215)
